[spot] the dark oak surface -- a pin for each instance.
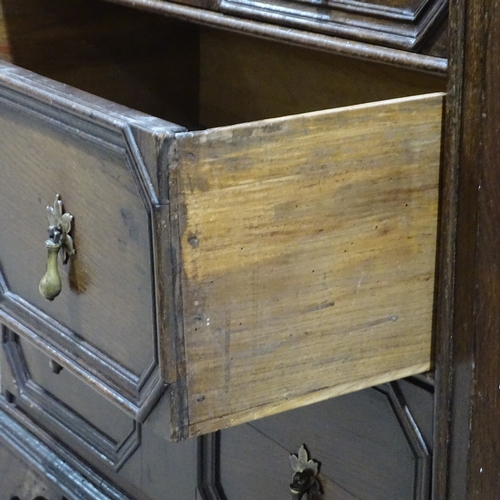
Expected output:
(105, 325)
(29, 22)
(244, 79)
(402, 24)
(362, 441)
(31, 470)
(467, 461)
(62, 401)
(157, 470)
(368, 443)
(183, 73)
(373, 444)
(87, 44)
(435, 62)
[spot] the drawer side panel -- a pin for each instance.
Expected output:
(308, 253)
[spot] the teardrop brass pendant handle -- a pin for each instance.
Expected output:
(59, 240)
(50, 284)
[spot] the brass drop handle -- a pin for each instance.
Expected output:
(59, 241)
(305, 484)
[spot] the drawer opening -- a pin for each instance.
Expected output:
(193, 76)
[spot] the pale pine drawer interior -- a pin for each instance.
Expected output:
(301, 248)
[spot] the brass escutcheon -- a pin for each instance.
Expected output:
(305, 484)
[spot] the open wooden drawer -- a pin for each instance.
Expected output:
(249, 268)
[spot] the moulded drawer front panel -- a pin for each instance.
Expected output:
(57, 140)
(111, 270)
(374, 444)
(59, 401)
(402, 24)
(307, 250)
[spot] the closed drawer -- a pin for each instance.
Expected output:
(374, 444)
(30, 470)
(250, 268)
(64, 405)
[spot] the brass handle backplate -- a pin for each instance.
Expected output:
(305, 483)
(59, 241)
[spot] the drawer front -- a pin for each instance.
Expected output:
(307, 250)
(403, 24)
(111, 270)
(88, 432)
(67, 407)
(370, 445)
(29, 470)
(55, 141)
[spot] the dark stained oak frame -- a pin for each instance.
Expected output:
(467, 441)
(404, 27)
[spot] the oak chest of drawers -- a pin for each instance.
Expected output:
(267, 252)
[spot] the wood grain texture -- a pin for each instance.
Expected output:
(308, 249)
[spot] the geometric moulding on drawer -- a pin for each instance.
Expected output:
(134, 394)
(61, 403)
(371, 444)
(30, 460)
(103, 162)
(402, 24)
